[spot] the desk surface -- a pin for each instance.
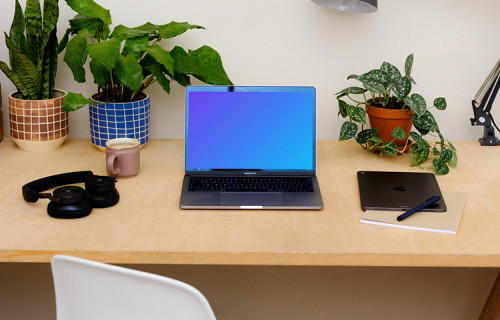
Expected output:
(147, 226)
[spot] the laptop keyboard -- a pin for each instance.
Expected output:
(250, 184)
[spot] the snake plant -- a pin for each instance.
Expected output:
(32, 44)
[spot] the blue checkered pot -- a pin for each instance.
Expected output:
(112, 120)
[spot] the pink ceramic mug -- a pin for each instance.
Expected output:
(122, 157)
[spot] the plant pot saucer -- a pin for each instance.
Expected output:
(400, 148)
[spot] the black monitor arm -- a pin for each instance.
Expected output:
(481, 105)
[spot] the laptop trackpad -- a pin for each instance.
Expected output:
(251, 199)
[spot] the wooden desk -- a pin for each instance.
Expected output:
(147, 226)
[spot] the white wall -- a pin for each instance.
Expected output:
(296, 42)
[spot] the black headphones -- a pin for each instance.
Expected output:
(70, 202)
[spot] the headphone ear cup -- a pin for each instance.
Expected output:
(103, 200)
(69, 211)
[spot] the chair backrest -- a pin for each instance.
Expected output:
(89, 290)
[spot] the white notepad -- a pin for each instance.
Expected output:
(442, 222)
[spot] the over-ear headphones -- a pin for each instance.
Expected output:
(70, 202)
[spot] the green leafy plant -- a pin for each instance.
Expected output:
(32, 44)
(128, 60)
(386, 87)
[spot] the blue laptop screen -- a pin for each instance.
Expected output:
(250, 128)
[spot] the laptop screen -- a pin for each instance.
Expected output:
(250, 128)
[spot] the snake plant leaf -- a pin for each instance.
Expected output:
(105, 52)
(174, 29)
(76, 55)
(366, 135)
(17, 33)
(80, 22)
(27, 71)
(129, 72)
(158, 71)
(74, 101)
(50, 17)
(391, 71)
(408, 65)
(162, 56)
(398, 133)
(420, 154)
(389, 149)
(425, 121)
(49, 66)
(101, 75)
(375, 80)
(33, 17)
(440, 167)
(357, 114)
(440, 103)
(417, 103)
(90, 9)
(22, 91)
(401, 88)
(211, 65)
(135, 45)
(352, 90)
(348, 130)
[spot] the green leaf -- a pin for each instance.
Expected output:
(401, 88)
(14, 78)
(366, 135)
(446, 154)
(435, 151)
(348, 131)
(136, 46)
(210, 64)
(353, 76)
(417, 104)
(50, 17)
(124, 32)
(174, 29)
(417, 138)
(343, 106)
(162, 56)
(391, 71)
(90, 9)
(389, 149)
(158, 71)
(420, 154)
(440, 103)
(408, 65)
(105, 52)
(357, 114)
(17, 33)
(375, 80)
(99, 29)
(27, 72)
(398, 133)
(76, 55)
(453, 160)
(33, 17)
(440, 167)
(101, 75)
(352, 90)
(129, 72)
(425, 121)
(49, 66)
(74, 101)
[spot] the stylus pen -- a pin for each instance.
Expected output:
(427, 203)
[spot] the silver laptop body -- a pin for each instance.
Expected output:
(250, 148)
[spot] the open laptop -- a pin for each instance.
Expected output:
(384, 190)
(250, 148)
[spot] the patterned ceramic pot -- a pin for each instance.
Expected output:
(110, 120)
(38, 125)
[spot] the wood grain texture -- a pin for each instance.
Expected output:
(147, 226)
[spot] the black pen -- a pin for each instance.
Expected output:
(427, 203)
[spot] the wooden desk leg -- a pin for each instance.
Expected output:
(491, 310)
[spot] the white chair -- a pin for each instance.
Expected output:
(89, 290)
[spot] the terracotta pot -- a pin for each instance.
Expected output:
(386, 120)
(38, 125)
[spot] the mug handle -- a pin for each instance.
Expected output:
(110, 164)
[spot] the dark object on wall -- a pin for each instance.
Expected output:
(481, 105)
(70, 202)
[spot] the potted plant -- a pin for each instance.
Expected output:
(37, 121)
(123, 64)
(392, 112)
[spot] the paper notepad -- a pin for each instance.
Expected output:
(442, 222)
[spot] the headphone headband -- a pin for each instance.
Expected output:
(31, 190)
